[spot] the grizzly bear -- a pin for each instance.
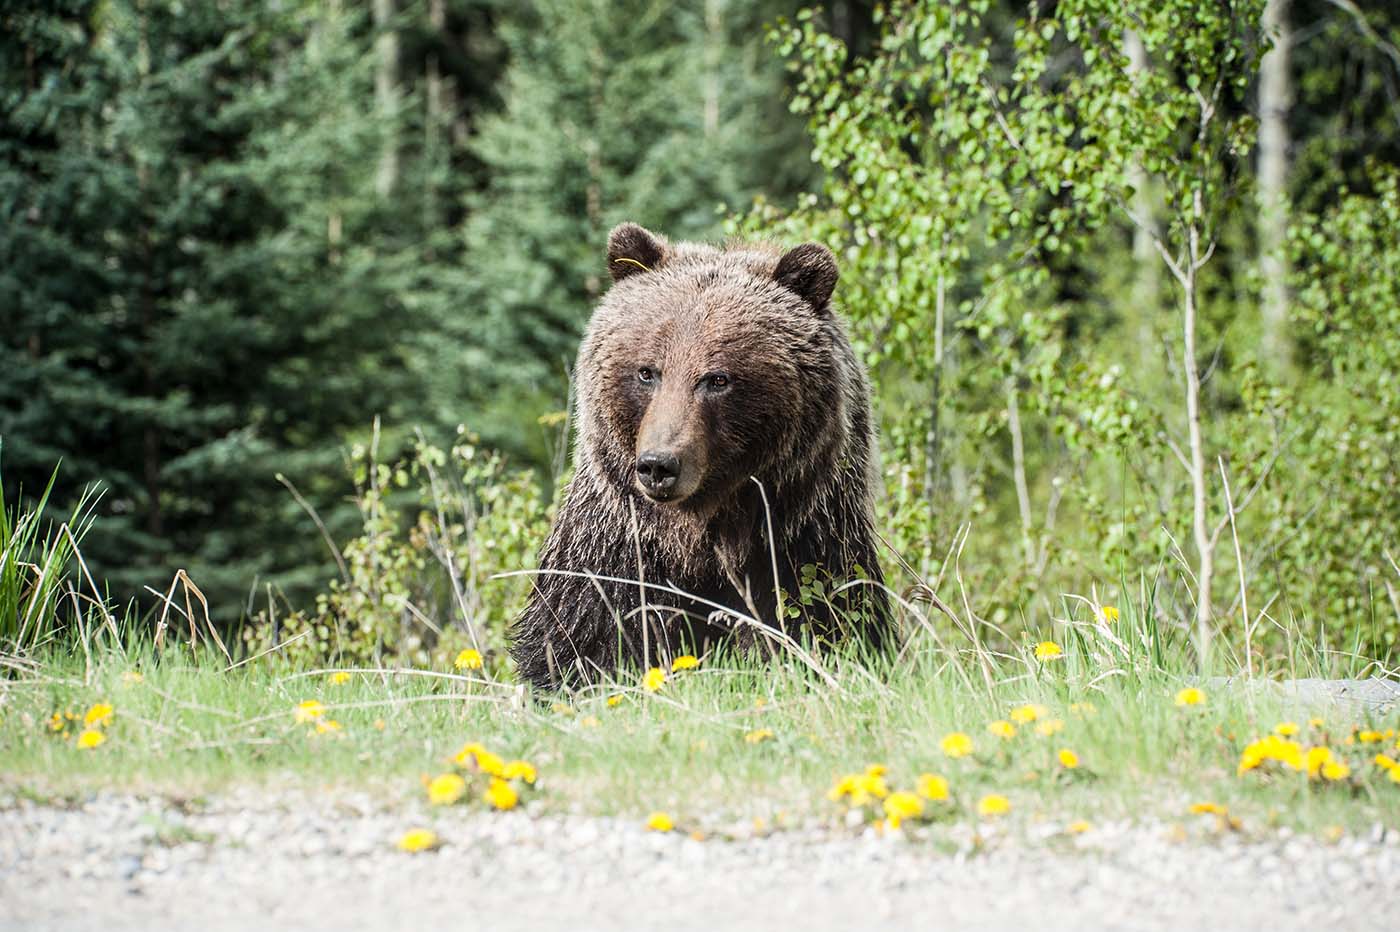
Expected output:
(724, 437)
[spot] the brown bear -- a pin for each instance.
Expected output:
(724, 435)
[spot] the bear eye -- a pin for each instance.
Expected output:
(646, 375)
(717, 382)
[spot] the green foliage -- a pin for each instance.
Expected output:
(417, 584)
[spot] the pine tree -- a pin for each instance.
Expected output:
(192, 270)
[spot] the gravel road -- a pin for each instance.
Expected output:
(247, 861)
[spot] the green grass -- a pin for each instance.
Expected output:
(192, 727)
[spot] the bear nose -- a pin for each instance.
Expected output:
(658, 470)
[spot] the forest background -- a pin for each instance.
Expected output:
(289, 293)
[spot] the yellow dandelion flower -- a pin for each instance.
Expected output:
(562, 708)
(659, 822)
(132, 677)
(1110, 614)
(1314, 760)
(932, 787)
(843, 787)
(1051, 726)
(469, 659)
(326, 726)
(1077, 828)
(57, 722)
(519, 770)
(758, 736)
(1082, 709)
(614, 701)
(418, 839)
(446, 788)
(1335, 770)
(1047, 650)
(993, 804)
(1315, 722)
(902, 805)
(1394, 775)
(1191, 696)
(501, 794)
(1025, 714)
(99, 716)
(653, 679)
(684, 662)
(379, 724)
(876, 770)
(90, 739)
(870, 786)
(308, 711)
(1208, 809)
(1002, 729)
(1365, 737)
(1286, 729)
(1385, 762)
(339, 678)
(956, 744)
(1068, 759)
(1273, 748)
(490, 763)
(468, 754)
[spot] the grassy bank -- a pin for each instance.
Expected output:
(728, 739)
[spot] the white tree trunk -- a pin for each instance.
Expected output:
(386, 90)
(1275, 97)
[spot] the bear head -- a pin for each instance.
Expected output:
(705, 366)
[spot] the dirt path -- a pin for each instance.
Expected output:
(244, 862)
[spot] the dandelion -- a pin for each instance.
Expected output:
(1365, 737)
(956, 744)
(1208, 809)
(1335, 770)
(132, 677)
(902, 805)
(653, 679)
(326, 726)
(469, 659)
(339, 678)
(418, 839)
(99, 716)
(1315, 722)
(1002, 729)
(1395, 774)
(1274, 748)
(1077, 828)
(501, 794)
(614, 701)
(1191, 696)
(308, 711)
(1047, 650)
(1068, 759)
(1314, 760)
(684, 662)
(758, 736)
(993, 804)
(1051, 726)
(490, 763)
(1110, 614)
(57, 722)
(932, 787)
(90, 739)
(1025, 714)
(1286, 729)
(1385, 762)
(445, 789)
(519, 770)
(659, 822)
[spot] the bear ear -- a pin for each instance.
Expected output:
(809, 271)
(633, 249)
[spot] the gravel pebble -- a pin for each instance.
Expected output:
(249, 860)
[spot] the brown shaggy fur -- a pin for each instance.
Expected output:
(732, 362)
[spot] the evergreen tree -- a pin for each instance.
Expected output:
(195, 295)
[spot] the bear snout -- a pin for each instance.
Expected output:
(658, 472)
